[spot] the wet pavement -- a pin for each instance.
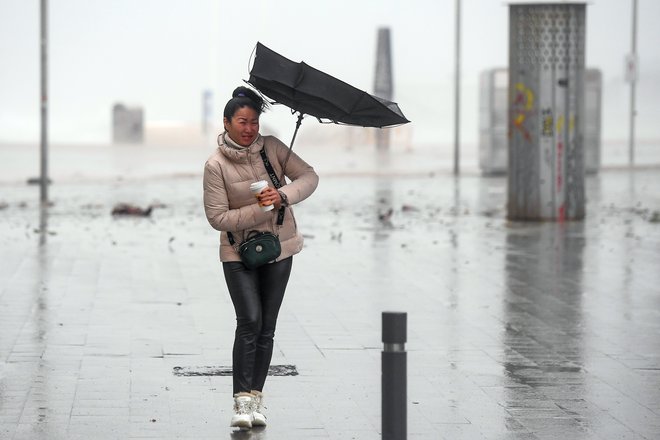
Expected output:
(515, 330)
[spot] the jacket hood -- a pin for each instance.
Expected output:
(238, 153)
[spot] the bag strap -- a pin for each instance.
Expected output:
(278, 184)
(269, 168)
(251, 234)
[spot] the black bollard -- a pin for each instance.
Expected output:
(394, 377)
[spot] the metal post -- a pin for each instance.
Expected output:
(633, 83)
(383, 83)
(457, 89)
(394, 376)
(44, 103)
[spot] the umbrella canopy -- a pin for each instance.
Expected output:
(310, 91)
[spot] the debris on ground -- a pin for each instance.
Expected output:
(127, 209)
(409, 208)
(386, 216)
(492, 212)
(37, 181)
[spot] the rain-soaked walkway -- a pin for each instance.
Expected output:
(515, 330)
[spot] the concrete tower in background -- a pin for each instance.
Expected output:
(207, 111)
(383, 84)
(546, 111)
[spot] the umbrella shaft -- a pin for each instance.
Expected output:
(293, 139)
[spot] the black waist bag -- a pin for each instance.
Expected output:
(259, 248)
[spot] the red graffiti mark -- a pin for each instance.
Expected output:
(561, 213)
(519, 124)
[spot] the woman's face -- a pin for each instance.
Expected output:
(243, 127)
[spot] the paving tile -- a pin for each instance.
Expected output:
(41, 430)
(515, 330)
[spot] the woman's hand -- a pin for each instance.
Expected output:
(270, 196)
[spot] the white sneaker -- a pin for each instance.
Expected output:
(243, 411)
(258, 419)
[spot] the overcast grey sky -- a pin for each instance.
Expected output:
(161, 54)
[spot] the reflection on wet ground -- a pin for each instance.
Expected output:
(516, 330)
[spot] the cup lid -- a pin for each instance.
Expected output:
(259, 184)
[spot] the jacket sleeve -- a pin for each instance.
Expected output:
(304, 179)
(216, 204)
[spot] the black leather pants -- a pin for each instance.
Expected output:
(257, 296)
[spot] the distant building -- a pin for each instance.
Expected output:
(127, 124)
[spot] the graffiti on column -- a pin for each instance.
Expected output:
(547, 122)
(522, 108)
(570, 162)
(561, 151)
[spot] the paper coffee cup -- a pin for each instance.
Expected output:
(256, 189)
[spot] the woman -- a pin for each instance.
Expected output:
(231, 208)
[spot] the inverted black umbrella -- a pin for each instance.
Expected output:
(309, 91)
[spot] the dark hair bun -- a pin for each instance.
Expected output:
(244, 97)
(240, 92)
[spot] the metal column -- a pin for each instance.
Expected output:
(546, 111)
(43, 181)
(632, 77)
(383, 84)
(457, 91)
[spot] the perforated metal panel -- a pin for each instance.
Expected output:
(593, 87)
(493, 121)
(546, 108)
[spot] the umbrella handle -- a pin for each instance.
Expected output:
(288, 154)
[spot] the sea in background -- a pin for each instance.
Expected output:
(179, 150)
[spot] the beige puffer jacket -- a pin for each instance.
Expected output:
(229, 204)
